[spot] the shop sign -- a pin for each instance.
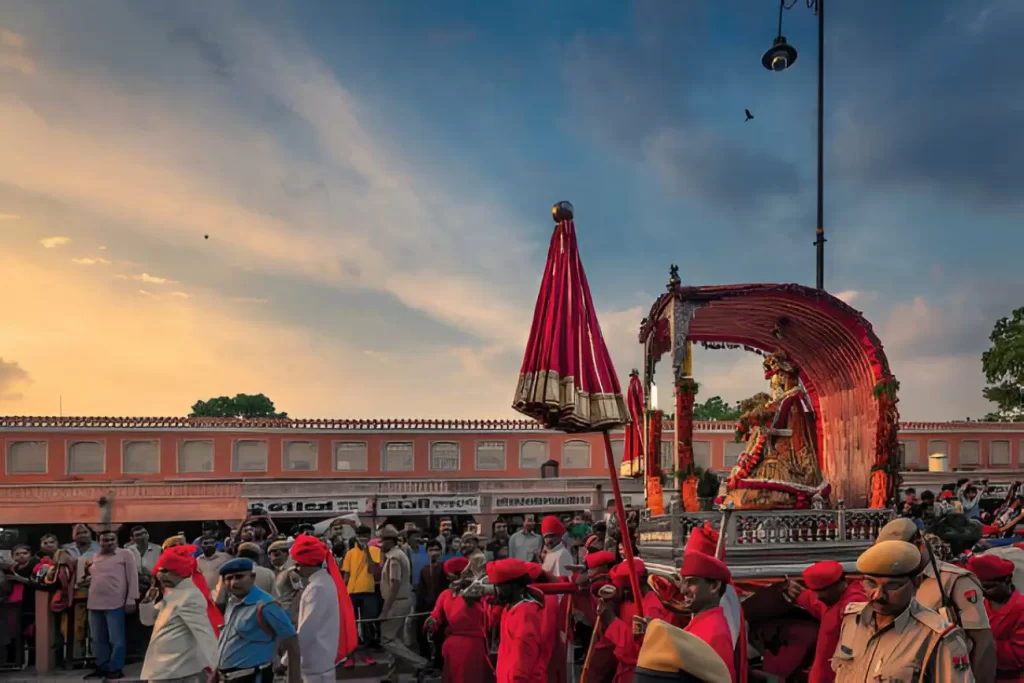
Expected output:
(553, 501)
(428, 505)
(310, 507)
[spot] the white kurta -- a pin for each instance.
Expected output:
(183, 643)
(557, 561)
(319, 628)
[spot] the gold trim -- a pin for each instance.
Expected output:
(557, 401)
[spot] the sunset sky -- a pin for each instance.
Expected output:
(375, 179)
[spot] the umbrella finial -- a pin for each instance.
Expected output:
(673, 276)
(634, 373)
(562, 211)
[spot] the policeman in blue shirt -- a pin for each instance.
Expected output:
(253, 626)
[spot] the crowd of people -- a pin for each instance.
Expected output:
(550, 602)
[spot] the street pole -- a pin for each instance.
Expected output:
(820, 231)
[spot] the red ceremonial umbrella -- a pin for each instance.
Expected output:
(635, 450)
(567, 381)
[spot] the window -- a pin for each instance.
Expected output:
(618, 451)
(910, 454)
(300, 456)
(970, 453)
(668, 461)
(26, 457)
(702, 454)
(533, 454)
(350, 456)
(444, 456)
(999, 453)
(490, 455)
(938, 448)
(576, 455)
(86, 457)
(733, 451)
(250, 455)
(141, 457)
(195, 455)
(399, 456)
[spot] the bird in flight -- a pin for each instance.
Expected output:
(750, 117)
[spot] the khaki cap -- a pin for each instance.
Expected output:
(890, 559)
(899, 529)
(668, 649)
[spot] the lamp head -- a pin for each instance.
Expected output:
(780, 56)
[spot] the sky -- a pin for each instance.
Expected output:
(346, 205)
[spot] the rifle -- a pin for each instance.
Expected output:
(947, 601)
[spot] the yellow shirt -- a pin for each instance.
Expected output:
(356, 565)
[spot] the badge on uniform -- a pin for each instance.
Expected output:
(972, 596)
(961, 663)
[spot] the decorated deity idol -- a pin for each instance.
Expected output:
(779, 468)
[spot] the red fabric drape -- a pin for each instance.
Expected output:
(633, 459)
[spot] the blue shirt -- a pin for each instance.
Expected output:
(419, 559)
(243, 644)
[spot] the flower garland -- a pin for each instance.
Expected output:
(748, 461)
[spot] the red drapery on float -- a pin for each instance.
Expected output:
(567, 380)
(636, 437)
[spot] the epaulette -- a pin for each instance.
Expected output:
(948, 568)
(933, 620)
(854, 608)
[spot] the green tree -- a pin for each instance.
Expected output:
(715, 409)
(242, 406)
(1003, 365)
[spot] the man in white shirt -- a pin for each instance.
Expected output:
(557, 558)
(321, 638)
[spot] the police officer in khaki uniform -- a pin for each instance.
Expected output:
(963, 589)
(892, 638)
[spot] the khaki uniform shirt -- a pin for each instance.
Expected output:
(396, 568)
(963, 587)
(288, 591)
(918, 647)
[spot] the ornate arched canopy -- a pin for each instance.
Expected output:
(842, 366)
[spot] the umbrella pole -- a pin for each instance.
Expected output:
(627, 544)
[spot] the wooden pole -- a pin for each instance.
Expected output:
(620, 510)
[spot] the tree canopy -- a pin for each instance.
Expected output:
(241, 406)
(716, 409)
(1003, 365)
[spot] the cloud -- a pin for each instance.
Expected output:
(209, 52)
(12, 54)
(180, 295)
(12, 376)
(102, 248)
(9, 217)
(153, 279)
(54, 242)
(89, 261)
(249, 300)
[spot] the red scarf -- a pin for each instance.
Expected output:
(179, 560)
(312, 552)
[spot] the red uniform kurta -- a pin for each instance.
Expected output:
(830, 622)
(465, 643)
(520, 655)
(1008, 631)
(553, 652)
(626, 648)
(711, 627)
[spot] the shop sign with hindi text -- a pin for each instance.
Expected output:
(545, 502)
(428, 505)
(311, 507)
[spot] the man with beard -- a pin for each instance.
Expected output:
(558, 557)
(183, 647)
(703, 583)
(1005, 608)
(827, 594)
(960, 586)
(520, 651)
(892, 637)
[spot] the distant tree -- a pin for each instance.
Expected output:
(242, 406)
(716, 409)
(1003, 365)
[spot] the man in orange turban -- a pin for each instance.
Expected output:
(326, 622)
(186, 625)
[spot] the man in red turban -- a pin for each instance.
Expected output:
(827, 594)
(618, 613)
(557, 563)
(326, 621)
(1005, 607)
(186, 623)
(520, 651)
(703, 583)
(466, 623)
(600, 661)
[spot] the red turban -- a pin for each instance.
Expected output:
(552, 526)
(703, 540)
(534, 571)
(309, 551)
(946, 495)
(705, 567)
(509, 569)
(180, 560)
(821, 575)
(456, 565)
(598, 558)
(990, 567)
(620, 572)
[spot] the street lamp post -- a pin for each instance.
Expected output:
(779, 57)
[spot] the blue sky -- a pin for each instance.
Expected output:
(375, 180)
